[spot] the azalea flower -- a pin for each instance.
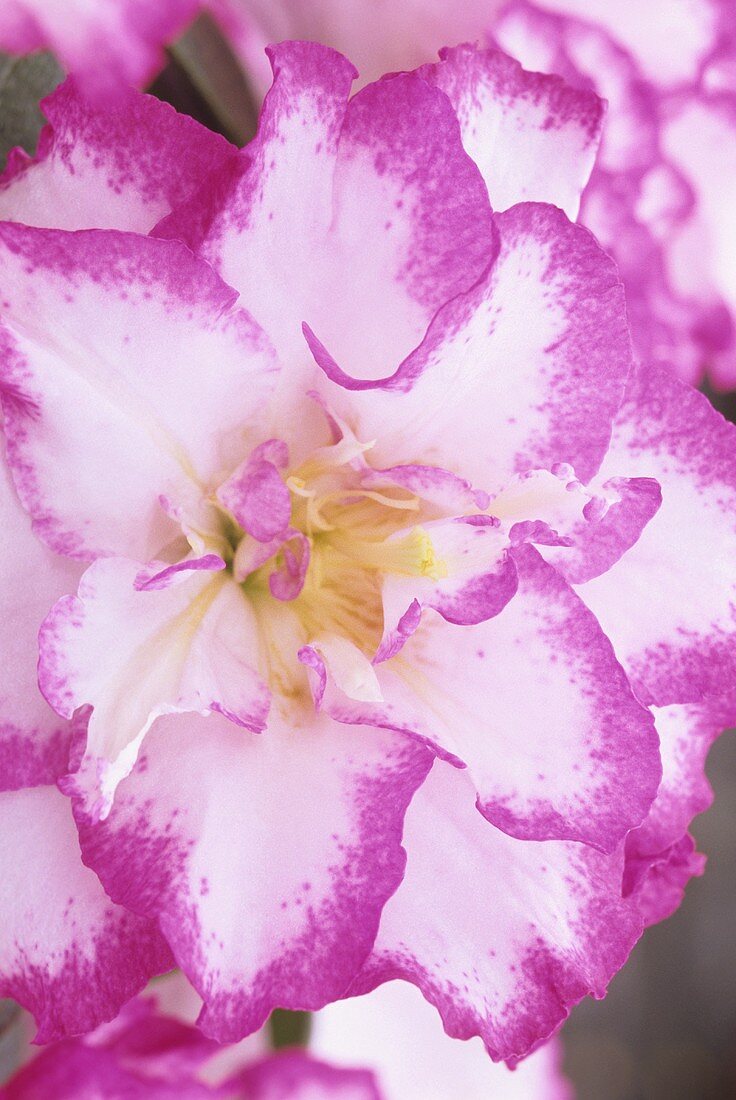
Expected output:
(152, 1051)
(358, 491)
(110, 43)
(656, 200)
(146, 1055)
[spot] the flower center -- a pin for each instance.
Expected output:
(342, 539)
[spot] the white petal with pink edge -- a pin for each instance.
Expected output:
(390, 220)
(34, 742)
(69, 955)
(137, 644)
(668, 605)
(130, 375)
(494, 379)
(505, 961)
(533, 137)
(265, 859)
(124, 166)
(533, 701)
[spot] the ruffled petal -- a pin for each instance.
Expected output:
(266, 860)
(122, 167)
(508, 963)
(391, 217)
(668, 605)
(125, 374)
(135, 645)
(533, 137)
(69, 955)
(486, 384)
(686, 734)
(535, 704)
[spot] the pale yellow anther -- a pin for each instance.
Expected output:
(410, 556)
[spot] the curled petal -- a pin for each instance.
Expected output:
(488, 385)
(579, 757)
(506, 964)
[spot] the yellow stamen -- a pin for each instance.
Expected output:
(410, 556)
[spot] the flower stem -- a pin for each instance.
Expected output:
(289, 1029)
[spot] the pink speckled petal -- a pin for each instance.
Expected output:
(489, 386)
(396, 1032)
(508, 963)
(34, 742)
(266, 860)
(533, 137)
(669, 604)
(110, 43)
(122, 167)
(136, 644)
(391, 217)
(69, 955)
(579, 759)
(125, 373)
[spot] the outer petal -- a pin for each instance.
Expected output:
(398, 1034)
(486, 384)
(686, 734)
(127, 375)
(657, 883)
(124, 167)
(111, 44)
(509, 964)
(190, 643)
(69, 955)
(533, 137)
(389, 220)
(536, 705)
(34, 742)
(669, 604)
(266, 859)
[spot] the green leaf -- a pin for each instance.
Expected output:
(23, 82)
